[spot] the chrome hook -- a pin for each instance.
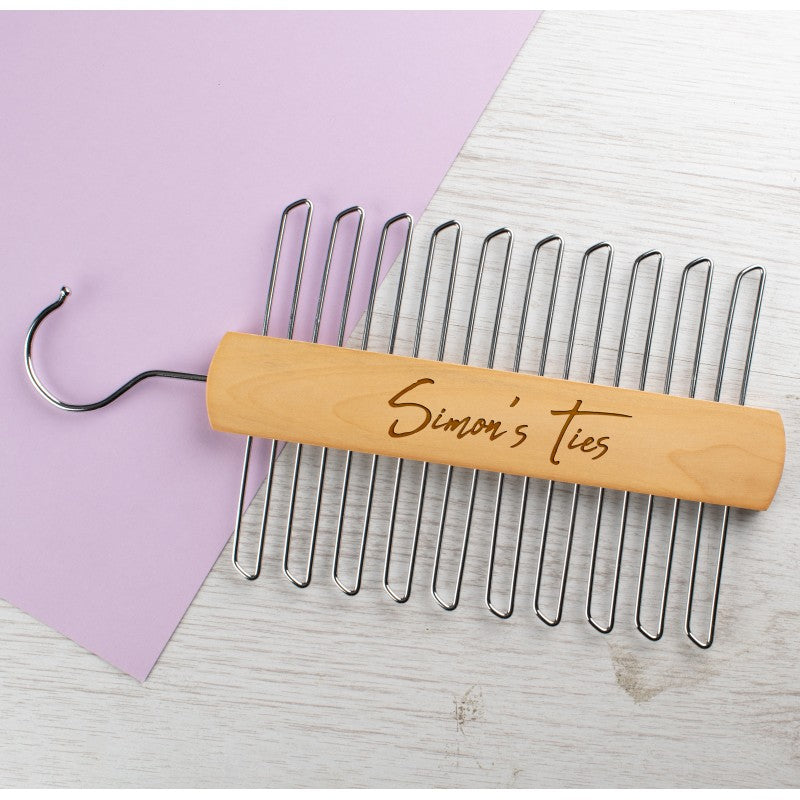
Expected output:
(50, 397)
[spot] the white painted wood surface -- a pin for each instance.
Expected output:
(676, 131)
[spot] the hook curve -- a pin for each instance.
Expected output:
(63, 294)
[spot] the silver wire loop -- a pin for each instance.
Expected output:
(505, 613)
(376, 275)
(303, 582)
(659, 259)
(402, 597)
(706, 642)
(687, 270)
(609, 258)
(452, 604)
(251, 575)
(356, 586)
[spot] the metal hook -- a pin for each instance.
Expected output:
(51, 398)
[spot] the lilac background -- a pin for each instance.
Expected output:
(144, 161)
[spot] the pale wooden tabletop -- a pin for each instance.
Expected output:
(678, 132)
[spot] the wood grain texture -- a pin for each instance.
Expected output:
(495, 420)
(673, 130)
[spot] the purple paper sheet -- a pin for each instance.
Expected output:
(144, 161)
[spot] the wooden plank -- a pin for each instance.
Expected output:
(496, 420)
